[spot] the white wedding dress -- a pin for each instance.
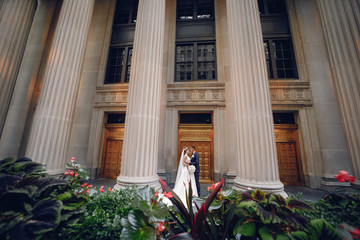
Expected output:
(183, 177)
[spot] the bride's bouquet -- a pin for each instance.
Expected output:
(192, 169)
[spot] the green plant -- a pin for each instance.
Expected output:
(336, 209)
(102, 216)
(32, 204)
(268, 216)
(147, 218)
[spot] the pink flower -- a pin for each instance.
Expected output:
(344, 176)
(159, 228)
(355, 234)
(109, 189)
(66, 173)
(101, 189)
(71, 173)
(72, 159)
(168, 195)
(83, 185)
(156, 194)
(76, 175)
(213, 186)
(89, 186)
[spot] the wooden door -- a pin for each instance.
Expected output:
(202, 139)
(112, 152)
(290, 169)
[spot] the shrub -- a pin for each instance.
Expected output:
(336, 209)
(32, 204)
(102, 217)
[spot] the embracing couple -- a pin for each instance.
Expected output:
(188, 169)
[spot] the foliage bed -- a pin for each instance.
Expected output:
(34, 205)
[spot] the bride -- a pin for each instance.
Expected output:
(184, 175)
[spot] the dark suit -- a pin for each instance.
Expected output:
(195, 162)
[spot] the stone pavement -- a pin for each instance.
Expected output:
(307, 193)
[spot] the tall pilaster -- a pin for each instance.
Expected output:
(28, 73)
(15, 22)
(50, 133)
(256, 159)
(341, 20)
(140, 149)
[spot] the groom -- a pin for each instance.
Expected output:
(194, 160)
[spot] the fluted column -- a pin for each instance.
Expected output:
(256, 159)
(341, 21)
(140, 149)
(20, 102)
(15, 22)
(50, 133)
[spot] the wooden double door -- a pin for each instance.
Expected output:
(112, 150)
(202, 138)
(290, 169)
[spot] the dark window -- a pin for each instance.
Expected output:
(116, 118)
(272, 7)
(195, 118)
(126, 12)
(191, 66)
(195, 58)
(280, 59)
(278, 47)
(284, 118)
(119, 63)
(120, 52)
(195, 9)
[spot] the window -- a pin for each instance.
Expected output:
(195, 9)
(195, 57)
(284, 118)
(272, 7)
(120, 51)
(278, 47)
(203, 63)
(195, 118)
(280, 59)
(116, 118)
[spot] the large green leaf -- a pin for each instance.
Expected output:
(299, 235)
(258, 195)
(265, 233)
(228, 193)
(321, 229)
(246, 229)
(156, 213)
(216, 204)
(134, 227)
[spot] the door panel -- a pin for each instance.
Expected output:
(202, 140)
(112, 152)
(290, 169)
(287, 163)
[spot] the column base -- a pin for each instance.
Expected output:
(277, 187)
(123, 182)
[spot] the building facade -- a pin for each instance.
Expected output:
(268, 91)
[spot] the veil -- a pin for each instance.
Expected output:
(181, 166)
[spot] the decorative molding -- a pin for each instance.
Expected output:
(290, 93)
(111, 96)
(196, 94)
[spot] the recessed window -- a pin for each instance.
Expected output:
(195, 9)
(116, 118)
(284, 118)
(278, 46)
(195, 56)
(120, 50)
(195, 118)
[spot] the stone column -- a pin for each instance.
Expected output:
(24, 87)
(140, 149)
(256, 159)
(15, 21)
(340, 20)
(50, 133)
